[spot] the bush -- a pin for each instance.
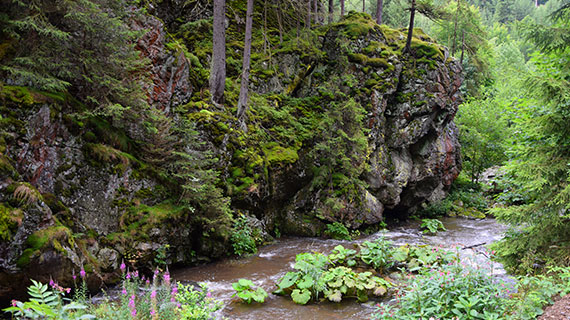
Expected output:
(446, 292)
(337, 231)
(431, 226)
(245, 291)
(242, 238)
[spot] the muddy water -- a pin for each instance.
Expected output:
(273, 261)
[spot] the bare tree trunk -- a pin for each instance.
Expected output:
(265, 39)
(363, 5)
(331, 11)
(308, 21)
(411, 27)
(279, 21)
(341, 8)
(379, 9)
(243, 92)
(218, 71)
(462, 46)
(455, 29)
(316, 11)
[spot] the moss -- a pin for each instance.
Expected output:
(41, 239)
(19, 95)
(356, 24)
(425, 49)
(9, 219)
(139, 220)
(6, 168)
(276, 154)
(374, 62)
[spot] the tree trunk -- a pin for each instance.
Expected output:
(331, 11)
(462, 46)
(411, 27)
(341, 8)
(279, 21)
(363, 5)
(316, 11)
(308, 21)
(379, 9)
(242, 102)
(455, 29)
(218, 71)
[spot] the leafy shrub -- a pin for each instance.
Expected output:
(242, 238)
(431, 226)
(306, 283)
(196, 304)
(337, 231)
(342, 256)
(449, 291)
(245, 291)
(341, 281)
(436, 209)
(377, 254)
(416, 257)
(314, 280)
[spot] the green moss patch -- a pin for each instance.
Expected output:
(276, 154)
(41, 239)
(356, 24)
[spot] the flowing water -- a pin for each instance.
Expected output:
(273, 261)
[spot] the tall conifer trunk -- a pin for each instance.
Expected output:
(218, 71)
(379, 9)
(331, 11)
(341, 8)
(243, 92)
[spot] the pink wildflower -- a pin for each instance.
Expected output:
(82, 273)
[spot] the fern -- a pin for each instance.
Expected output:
(39, 292)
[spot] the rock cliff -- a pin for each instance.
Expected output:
(344, 129)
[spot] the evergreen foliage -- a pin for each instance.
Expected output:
(540, 157)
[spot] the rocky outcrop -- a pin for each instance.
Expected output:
(411, 100)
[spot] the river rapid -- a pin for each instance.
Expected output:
(274, 260)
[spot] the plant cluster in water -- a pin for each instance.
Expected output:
(331, 277)
(245, 291)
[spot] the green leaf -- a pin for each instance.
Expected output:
(245, 283)
(288, 280)
(306, 282)
(301, 297)
(334, 296)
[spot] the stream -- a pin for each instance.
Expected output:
(274, 260)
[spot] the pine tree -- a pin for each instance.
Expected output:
(541, 154)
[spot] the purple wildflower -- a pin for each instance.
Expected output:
(167, 278)
(124, 292)
(132, 306)
(123, 266)
(82, 273)
(14, 303)
(153, 294)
